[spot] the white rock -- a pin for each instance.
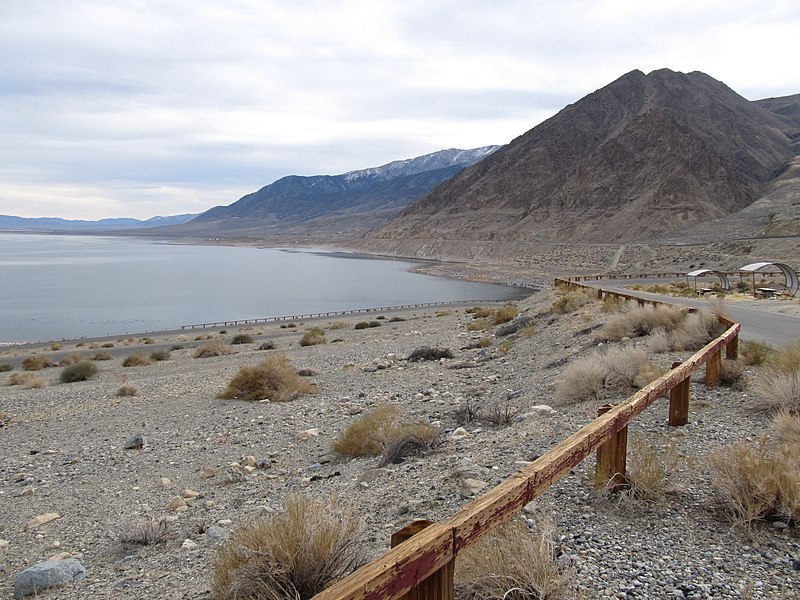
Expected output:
(188, 545)
(470, 487)
(459, 433)
(306, 435)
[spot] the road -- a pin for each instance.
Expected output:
(775, 329)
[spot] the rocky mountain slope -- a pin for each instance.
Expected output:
(347, 202)
(646, 155)
(55, 224)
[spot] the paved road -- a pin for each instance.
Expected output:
(773, 328)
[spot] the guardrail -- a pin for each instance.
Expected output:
(338, 313)
(423, 565)
(682, 275)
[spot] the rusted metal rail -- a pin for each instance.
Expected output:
(423, 565)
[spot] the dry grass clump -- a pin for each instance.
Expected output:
(649, 470)
(642, 320)
(569, 302)
(144, 530)
(313, 337)
(754, 353)
(71, 359)
(506, 313)
(127, 391)
(479, 312)
(428, 353)
(515, 562)
(5, 368)
(373, 433)
(273, 379)
(366, 324)
(101, 356)
(37, 362)
(761, 481)
(242, 338)
(479, 325)
(296, 553)
(777, 385)
(268, 345)
(602, 375)
(81, 371)
(160, 355)
(215, 348)
(338, 325)
(137, 360)
(731, 373)
(27, 380)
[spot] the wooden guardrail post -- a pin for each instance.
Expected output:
(612, 457)
(713, 368)
(732, 349)
(679, 402)
(438, 586)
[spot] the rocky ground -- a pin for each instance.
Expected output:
(63, 450)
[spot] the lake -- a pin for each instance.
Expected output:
(65, 287)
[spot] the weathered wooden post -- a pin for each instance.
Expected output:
(438, 586)
(732, 349)
(611, 457)
(713, 368)
(679, 402)
(599, 293)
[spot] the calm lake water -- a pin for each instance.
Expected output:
(64, 287)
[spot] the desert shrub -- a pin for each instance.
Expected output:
(647, 373)
(107, 345)
(396, 320)
(313, 337)
(479, 325)
(731, 372)
(223, 331)
(101, 356)
(759, 481)
(443, 313)
(373, 433)
(26, 380)
(501, 412)
(175, 347)
(409, 444)
(215, 348)
(568, 303)
(295, 553)
(639, 321)
(273, 379)
(144, 530)
(127, 391)
(361, 325)
(505, 313)
(468, 410)
(37, 362)
(81, 371)
(5, 368)
(338, 325)
(147, 341)
(71, 359)
(55, 346)
(505, 346)
(754, 353)
(428, 353)
(777, 385)
(515, 561)
(484, 342)
(601, 375)
(242, 338)
(137, 360)
(515, 325)
(659, 341)
(160, 355)
(268, 345)
(479, 312)
(649, 470)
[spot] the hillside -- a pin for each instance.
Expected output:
(352, 201)
(647, 155)
(55, 224)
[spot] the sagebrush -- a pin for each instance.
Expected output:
(274, 379)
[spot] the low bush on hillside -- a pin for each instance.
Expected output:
(37, 362)
(569, 302)
(338, 325)
(754, 353)
(143, 530)
(101, 356)
(381, 429)
(5, 368)
(127, 390)
(71, 359)
(107, 345)
(777, 384)
(294, 554)
(642, 320)
(612, 373)
(650, 468)
(760, 481)
(81, 371)
(160, 355)
(268, 345)
(479, 325)
(137, 360)
(147, 341)
(515, 561)
(428, 353)
(56, 346)
(26, 380)
(479, 312)
(313, 337)
(242, 338)
(367, 324)
(215, 348)
(273, 379)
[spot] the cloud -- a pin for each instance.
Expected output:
(117, 109)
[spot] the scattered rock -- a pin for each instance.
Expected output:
(136, 442)
(249, 461)
(164, 482)
(176, 503)
(41, 520)
(51, 573)
(470, 487)
(189, 545)
(306, 435)
(207, 473)
(459, 433)
(216, 534)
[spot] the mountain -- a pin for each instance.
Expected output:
(54, 224)
(647, 155)
(348, 202)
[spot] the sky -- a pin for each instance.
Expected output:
(138, 109)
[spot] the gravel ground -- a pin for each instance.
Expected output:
(62, 450)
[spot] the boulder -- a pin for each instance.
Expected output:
(51, 573)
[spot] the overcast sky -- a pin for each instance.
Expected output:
(111, 109)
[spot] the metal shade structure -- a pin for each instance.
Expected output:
(726, 285)
(791, 283)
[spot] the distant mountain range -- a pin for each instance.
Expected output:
(647, 155)
(350, 202)
(53, 224)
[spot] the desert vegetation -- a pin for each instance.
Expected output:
(777, 385)
(296, 553)
(313, 337)
(215, 348)
(242, 338)
(137, 359)
(80, 371)
(273, 379)
(37, 362)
